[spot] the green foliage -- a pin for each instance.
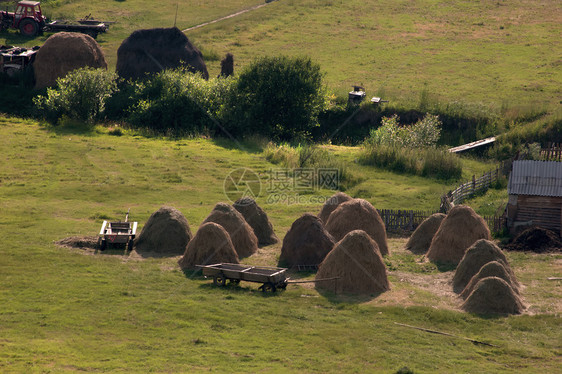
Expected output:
(424, 133)
(178, 101)
(80, 95)
(278, 97)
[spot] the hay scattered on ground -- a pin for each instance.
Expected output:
(479, 254)
(82, 242)
(536, 239)
(153, 50)
(210, 245)
(241, 233)
(257, 219)
(421, 238)
(166, 231)
(64, 52)
(306, 243)
(491, 269)
(493, 295)
(358, 214)
(357, 262)
(331, 204)
(458, 231)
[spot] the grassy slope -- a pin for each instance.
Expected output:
(491, 53)
(65, 311)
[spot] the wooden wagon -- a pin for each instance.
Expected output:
(272, 278)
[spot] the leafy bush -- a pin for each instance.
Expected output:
(178, 100)
(80, 95)
(278, 97)
(424, 133)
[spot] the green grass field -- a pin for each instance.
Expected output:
(68, 310)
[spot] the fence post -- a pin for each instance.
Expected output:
(473, 184)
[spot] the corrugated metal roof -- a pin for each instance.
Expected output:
(536, 178)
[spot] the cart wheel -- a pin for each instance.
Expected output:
(268, 287)
(235, 281)
(130, 245)
(283, 285)
(219, 280)
(103, 245)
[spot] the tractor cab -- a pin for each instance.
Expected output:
(28, 18)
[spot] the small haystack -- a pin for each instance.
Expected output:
(458, 231)
(493, 295)
(82, 242)
(241, 233)
(331, 204)
(357, 263)
(491, 269)
(257, 219)
(166, 231)
(536, 239)
(420, 240)
(358, 214)
(64, 52)
(153, 50)
(210, 245)
(306, 243)
(227, 66)
(479, 254)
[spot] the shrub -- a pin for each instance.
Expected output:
(424, 133)
(278, 97)
(80, 95)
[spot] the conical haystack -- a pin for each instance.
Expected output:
(210, 245)
(64, 52)
(153, 50)
(493, 295)
(491, 269)
(358, 214)
(420, 240)
(166, 231)
(331, 204)
(479, 254)
(242, 236)
(257, 219)
(306, 243)
(357, 263)
(458, 231)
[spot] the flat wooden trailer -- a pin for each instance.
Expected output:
(118, 233)
(272, 278)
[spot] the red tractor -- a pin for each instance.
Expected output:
(28, 18)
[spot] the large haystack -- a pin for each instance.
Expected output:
(491, 269)
(458, 231)
(493, 295)
(306, 243)
(331, 204)
(64, 52)
(257, 219)
(166, 231)
(479, 254)
(153, 50)
(357, 263)
(210, 245)
(420, 240)
(536, 239)
(241, 233)
(358, 214)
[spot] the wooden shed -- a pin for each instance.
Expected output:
(535, 195)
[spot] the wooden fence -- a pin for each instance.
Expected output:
(496, 223)
(552, 152)
(397, 220)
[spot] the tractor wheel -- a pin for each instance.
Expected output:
(29, 27)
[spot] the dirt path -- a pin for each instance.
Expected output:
(227, 17)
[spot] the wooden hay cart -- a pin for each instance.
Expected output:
(271, 278)
(120, 233)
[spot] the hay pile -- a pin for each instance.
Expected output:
(358, 214)
(166, 231)
(153, 50)
(479, 254)
(306, 243)
(358, 263)
(536, 239)
(331, 204)
(420, 240)
(491, 269)
(82, 242)
(241, 233)
(257, 219)
(211, 245)
(493, 295)
(64, 52)
(458, 231)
